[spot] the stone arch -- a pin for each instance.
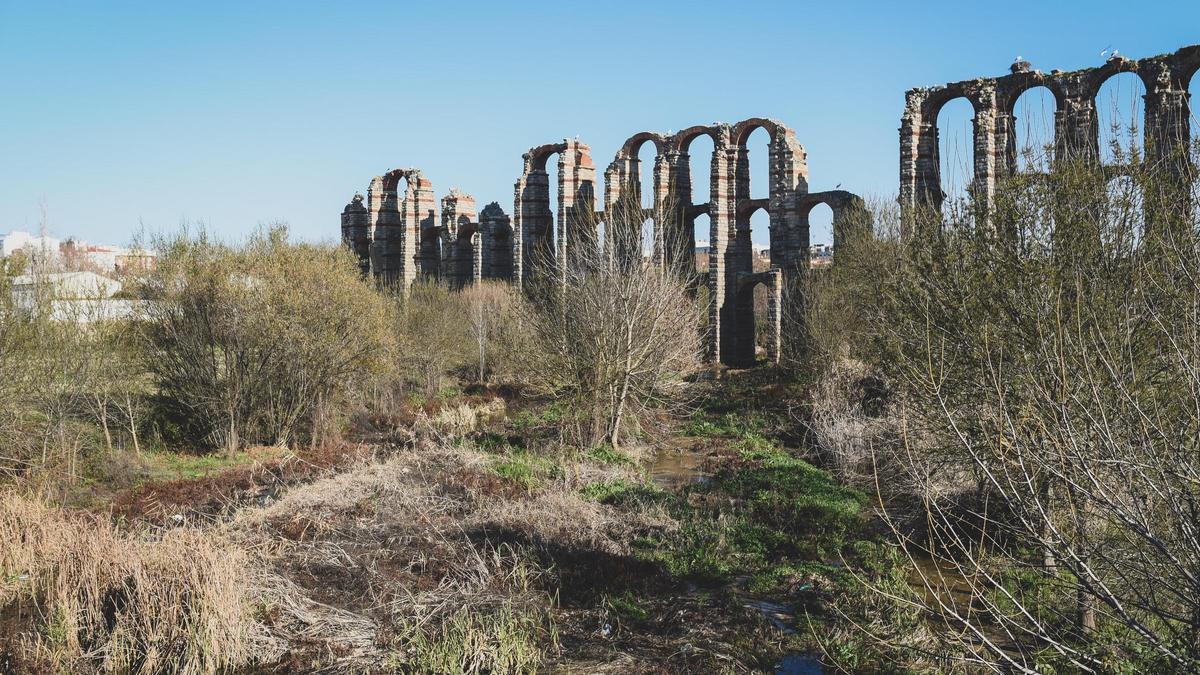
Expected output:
(851, 218)
(1121, 132)
(397, 251)
(1018, 84)
(1029, 132)
(542, 235)
(938, 97)
(743, 329)
(1187, 64)
(742, 130)
(682, 140)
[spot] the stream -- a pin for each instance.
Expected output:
(683, 461)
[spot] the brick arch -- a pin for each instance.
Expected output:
(1021, 83)
(682, 140)
(411, 176)
(748, 207)
(938, 97)
(535, 159)
(844, 206)
(742, 130)
(1187, 64)
(1094, 79)
(631, 147)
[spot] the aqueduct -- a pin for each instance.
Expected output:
(1076, 131)
(397, 240)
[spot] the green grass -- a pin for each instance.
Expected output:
(767, 518)
(168, 465)
(606, 455)
(508, 639)
(626, 607)
(528, 420)
(525, 468)
(622, 491)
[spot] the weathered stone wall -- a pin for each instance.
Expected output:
(462, 254)
(730, 278)
(1076, 129)
(398, 239)
(356, 232)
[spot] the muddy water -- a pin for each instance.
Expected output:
(680, 462)
(941, 584)
(685, 461)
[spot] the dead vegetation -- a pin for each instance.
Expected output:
(78, 595)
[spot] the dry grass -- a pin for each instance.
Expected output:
(105, 601)
(555, 518)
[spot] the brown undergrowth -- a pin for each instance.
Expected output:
(78, 595)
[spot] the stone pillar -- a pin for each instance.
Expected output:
(1077, 130)
(386, 226)
(420, 226)
(920, 181)
(789, 178)
(497, 245)
(356, 232)
(576, 202)
(532, 223)
(722, 217)
(679, 198)
(458, 225)
(476, 258)
(774, 315)
(1168, 139)
(988, 154)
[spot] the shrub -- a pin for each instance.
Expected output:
(245, 342)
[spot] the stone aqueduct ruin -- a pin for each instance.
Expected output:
(1166, 77)
(400, 237)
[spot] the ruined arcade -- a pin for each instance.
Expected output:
(399, 238)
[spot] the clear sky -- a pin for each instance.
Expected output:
(240, 113)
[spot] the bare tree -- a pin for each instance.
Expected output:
(619, 327)
(490, 308)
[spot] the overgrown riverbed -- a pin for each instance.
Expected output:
(469, 537)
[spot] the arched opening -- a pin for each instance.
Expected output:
(646, 155)
(820, 235)
(700, 230)
(1120, 114)
(760, 240)
(758, 148)
(759, 260)
(1124, 220)
(956, 151)
(700, 154)
(1033, 130)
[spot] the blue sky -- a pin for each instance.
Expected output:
(235, 114)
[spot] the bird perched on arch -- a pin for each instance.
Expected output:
(1020, 65)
